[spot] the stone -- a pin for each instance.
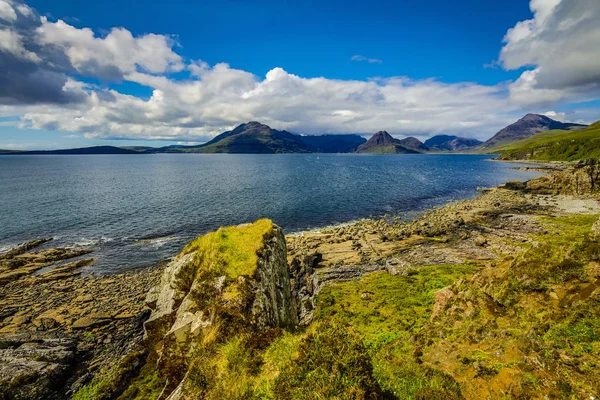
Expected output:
(83, 298)
(87, 322)
(480, 241)
(596, 229)
(177, 324)
(46, 323)
(441, 299)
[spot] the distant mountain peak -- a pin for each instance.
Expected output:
(383, 142)
(451, 143)
(527, 126)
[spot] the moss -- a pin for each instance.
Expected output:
(332, 362)
(110, 383)
(389, 310)
(146, 386)
(383, 307)
(232, 251)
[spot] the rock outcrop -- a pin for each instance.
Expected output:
(208, 295)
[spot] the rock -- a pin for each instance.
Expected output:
(366, 295)
(395, 266)
(44, 324)
(86, 298)
(87, 322)
(441, 299)
(33, 367)
(596, 229)
(480, 241)
(175, 331)
(124, 315)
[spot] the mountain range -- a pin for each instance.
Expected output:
(383, 143)
(256, 138)
(451, 143)
(529, 125)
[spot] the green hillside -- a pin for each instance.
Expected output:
(555, 145)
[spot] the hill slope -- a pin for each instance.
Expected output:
(252, 137)
(332, 143)
(529, 125)
(80, 151)
(556, 145)
(451, 143)
(383, 143)
(415, 144)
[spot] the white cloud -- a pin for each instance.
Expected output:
(111, 57)
(11, 42)
(367, 59)
(7, 12)
(50, 58)
(224, 97)
(562, 44)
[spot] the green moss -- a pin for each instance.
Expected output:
(485, 363)
(232, 251)
(383, 307)
(387, 310)
(110, 382)
(146, 386)
(332, 362)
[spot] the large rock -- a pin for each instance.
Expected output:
(203, 291)
(33, 366)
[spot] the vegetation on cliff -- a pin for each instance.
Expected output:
(555, 145)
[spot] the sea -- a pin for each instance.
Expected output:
(136, 210)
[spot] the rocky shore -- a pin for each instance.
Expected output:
(61, 332)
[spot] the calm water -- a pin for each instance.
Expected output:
(138, 209)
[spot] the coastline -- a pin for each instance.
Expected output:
(99, 319)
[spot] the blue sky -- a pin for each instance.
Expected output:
(413, 68)
(450, 40)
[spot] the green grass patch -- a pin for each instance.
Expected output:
(387, 310)
(383, 307)
(232, 251)
(555, 145)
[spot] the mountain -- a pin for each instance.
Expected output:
(526, 127)
(333, 143)
(556, 145)
(415, 144)
(2, 151)
(383, 143)
(451, 143)
(252, 137)
(83, 150)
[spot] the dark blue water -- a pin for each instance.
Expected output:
(138, 209)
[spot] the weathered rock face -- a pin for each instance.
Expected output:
(33, 366)
(273, 305)
(192, 307)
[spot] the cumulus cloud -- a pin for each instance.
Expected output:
(561, 45)
(7, 13)
(367, 59)
(45, 64)
(222, 97)
(38, 57)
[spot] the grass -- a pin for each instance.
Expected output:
(232, 251)
(555, 145)
(387, 311)
(383, 307)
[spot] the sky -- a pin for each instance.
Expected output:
(76, 74)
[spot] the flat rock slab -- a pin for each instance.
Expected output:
(88, 322)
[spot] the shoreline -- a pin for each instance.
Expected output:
(99, 319)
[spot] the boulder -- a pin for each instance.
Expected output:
(206, 290)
